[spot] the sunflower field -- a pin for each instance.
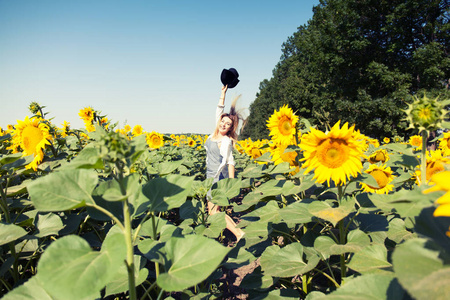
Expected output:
(104, 212)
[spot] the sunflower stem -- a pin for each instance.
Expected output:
(154, 238)
(423, 165)
(342, 234)
(127, 230)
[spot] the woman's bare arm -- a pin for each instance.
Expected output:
(222, 95)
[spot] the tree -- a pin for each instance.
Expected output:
(359, 61)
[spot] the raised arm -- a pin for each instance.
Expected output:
(221, 105)
(222, 95)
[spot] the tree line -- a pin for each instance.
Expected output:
(359, 61)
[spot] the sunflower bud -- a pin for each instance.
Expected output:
(426, 114)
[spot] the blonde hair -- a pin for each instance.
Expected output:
(235, 117)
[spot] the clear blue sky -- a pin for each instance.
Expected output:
(153, 63)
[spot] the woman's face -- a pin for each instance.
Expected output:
(225, 125)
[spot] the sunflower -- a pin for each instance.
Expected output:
(32, 136)
(89, 127)
(383, 177)
(154, 140)
(65, 129)
(191, 142)
(87, 114)
(386, 140)
(137, 130)
(442, 181)
(373, 142)
(444, 143)
(379, 155)
(279, 155)
(416, 141)
(435, 163)
(282, 126)
(335, 155)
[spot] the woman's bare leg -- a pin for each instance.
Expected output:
(231, 226)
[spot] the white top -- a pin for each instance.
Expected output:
(225, 149)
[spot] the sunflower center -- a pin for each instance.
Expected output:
(448, 143)
(285, 126)
(255, 153)
(380, 157)
(381, 178)
(332, 153)
(31, 136)
(425, 113)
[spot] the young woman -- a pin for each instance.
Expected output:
(219, 154)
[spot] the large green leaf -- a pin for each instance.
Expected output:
(356, 240)
(189, 261)
(369, 259)
(47, 224)
(88, 158)
(30, 290)
(274, 188)
(167, 192)
(421, 271)
(287, 261)
(63, 190)
(119, 282)
(368, 286)
(10, 233)
(225, 189)
(296, 213)
(267, 213)
(323, 210)
(255, 170)
(69, 269)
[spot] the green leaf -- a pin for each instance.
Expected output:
(369, 259)
(119, 282)
(69, 269)
(282, 168)
(420, 270)
(10, 233)
(267, 213)
(63, 190)
(189, 261)
(279, 294)
(88, 158)
(10, 158)
(168, 192)
(254, 170)
(239, 257)
(397, 231)
(12, 163)
(47, 224)
(216, 223)
(287, 261)
(324, 211)
(30, 290)
(224, 190)
(296, 213)
(274, 188)
(168, 167)
(368, 286)
(257, 280)
(356, 240)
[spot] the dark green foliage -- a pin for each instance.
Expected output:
(359, 62)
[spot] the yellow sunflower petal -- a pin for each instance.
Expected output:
(442, 211)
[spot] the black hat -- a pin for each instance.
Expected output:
(229, 77)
